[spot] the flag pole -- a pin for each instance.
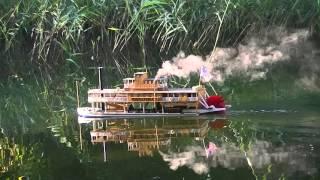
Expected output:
(204, 72)
(215, 92)
(200, 74)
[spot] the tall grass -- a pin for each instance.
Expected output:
(58, 31)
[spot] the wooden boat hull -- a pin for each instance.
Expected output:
(86, 114)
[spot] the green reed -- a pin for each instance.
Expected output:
(59, 30)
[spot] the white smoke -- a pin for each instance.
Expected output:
(188, 159)
(309, 82)
(309, 70)
(260, 156)
(251, 58)
(183, 66)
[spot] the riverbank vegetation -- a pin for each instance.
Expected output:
(46, 44)
(55, 34)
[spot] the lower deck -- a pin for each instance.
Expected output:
(87, 114)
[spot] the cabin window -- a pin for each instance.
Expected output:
(138, 76)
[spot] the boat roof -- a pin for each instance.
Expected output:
(170, 90)
(140, 72)
(160, 78)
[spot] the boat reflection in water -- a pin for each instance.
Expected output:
(147, 136)
(204, 144)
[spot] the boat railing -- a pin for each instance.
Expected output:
(92, 97)
(145, 86)
(178, 99)
(139, 86)
(192, 98)
(163, 85)
(107, 99)
(100, 93)
(102, 136)
(170, 99)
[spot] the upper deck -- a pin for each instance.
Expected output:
(141, 81)
(122, 95)
(141, 89)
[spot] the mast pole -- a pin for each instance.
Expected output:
(77, 89)
(78, 105)
(100, 78)
(101, 86)
(104, 152)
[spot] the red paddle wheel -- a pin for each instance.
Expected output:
(217, 101)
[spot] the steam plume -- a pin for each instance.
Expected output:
(229, 156)
(250, 58)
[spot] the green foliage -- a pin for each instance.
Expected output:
(58, 30)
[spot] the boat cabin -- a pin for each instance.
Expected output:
(143, 94)
(140, 81)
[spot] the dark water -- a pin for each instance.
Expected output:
(39, 136)
(278, 144)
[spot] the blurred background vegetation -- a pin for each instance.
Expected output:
(46, 44)
(56, 36)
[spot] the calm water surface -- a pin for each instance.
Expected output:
(241, 145)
